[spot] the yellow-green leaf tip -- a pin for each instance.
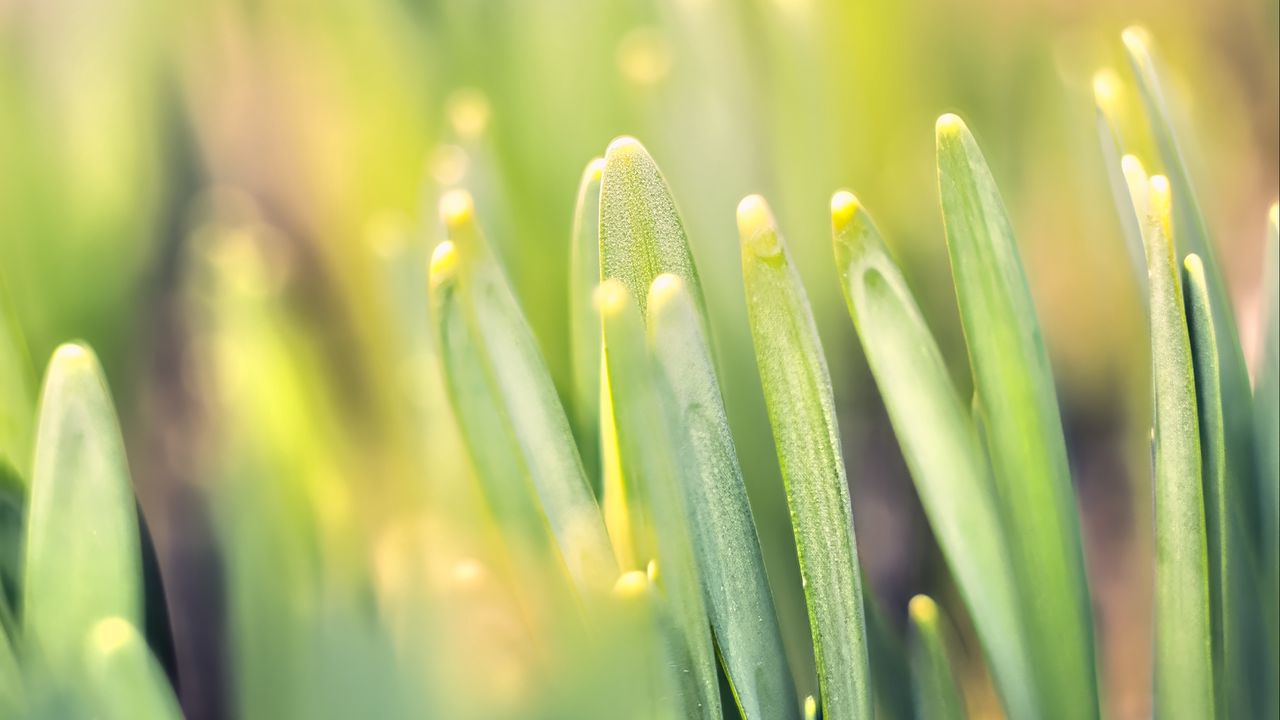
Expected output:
(72, 355)
(665, 287)
(1130, 164)
(950, 126)
(651, 571)
(1136, 38)
(756, 226)
(457, 208)
(1106, 89)
(610, 297)
(624, 146)
(810, 708)
(444, 261)
(1194, 266)
(631, 584)
(595, 169)
(110, 635)
(923, 610)
(844, 205)
(1274, 215)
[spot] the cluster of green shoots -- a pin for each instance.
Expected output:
(633, 488)
(636, 491)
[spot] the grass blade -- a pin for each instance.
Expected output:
(937, 695)
(641, 233)
(584, 323)
(734, 582)
(1014, 383)
(1189, 234)
(939, 444)
(1220, 533)
(82, 550)
(645, 452)
(1106, 96)
(124, 679)
(1266, 418)
(503, 346)
(797, 391)
(1183, 630)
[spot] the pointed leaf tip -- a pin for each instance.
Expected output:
(444, 261)
(950, 126)
(923, 610)
(844, 205)
(456, 208)
(665, 287)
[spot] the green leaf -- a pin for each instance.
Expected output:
(1106, 95)
(1266, 418)
(1014, 384)
(641, 233)
(1223, 552)
(1190, 235)
(940, 447)
(11, 681)
(891, 672)
(124, 679)
(504, 358)
(1184, 682)
(732, 569)
(937, 695)
(797, 391)
(646, 455)
(584, 323)
(82, 550)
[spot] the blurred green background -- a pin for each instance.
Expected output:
(233, 202)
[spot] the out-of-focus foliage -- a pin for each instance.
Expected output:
(234, 203)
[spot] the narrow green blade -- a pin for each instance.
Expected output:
(1266, 418)
(937, 695)
(584, 323)
(1014, 383)
(727, 549)
(11, 681)
(485, 429)
(502, 345)
(646, 455)
(940, 446)
(82, 551)
(891, 671)
(641, 233)
(797, 391)
(1184, 682)
(1190, 235)
(1106, 93)
(1229, 563)
(124, 679)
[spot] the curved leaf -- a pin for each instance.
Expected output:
(940, 446)
(734, 582)
(1014, 384)
(584, 323)
(937, 695)
(797, 391)
(505, 356)
(82, 551)
(645, 452)
(124, 679)
(1184, 682)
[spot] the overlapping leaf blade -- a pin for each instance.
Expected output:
(124, 680)
(506, 359)
(739, 602)
(646, 455)
(1184, 682)
(937, 695)
(940, 446)
(584, 323)
(797, 390)
(82, 560)
(1014, 384)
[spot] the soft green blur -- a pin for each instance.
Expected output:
(233, 202)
